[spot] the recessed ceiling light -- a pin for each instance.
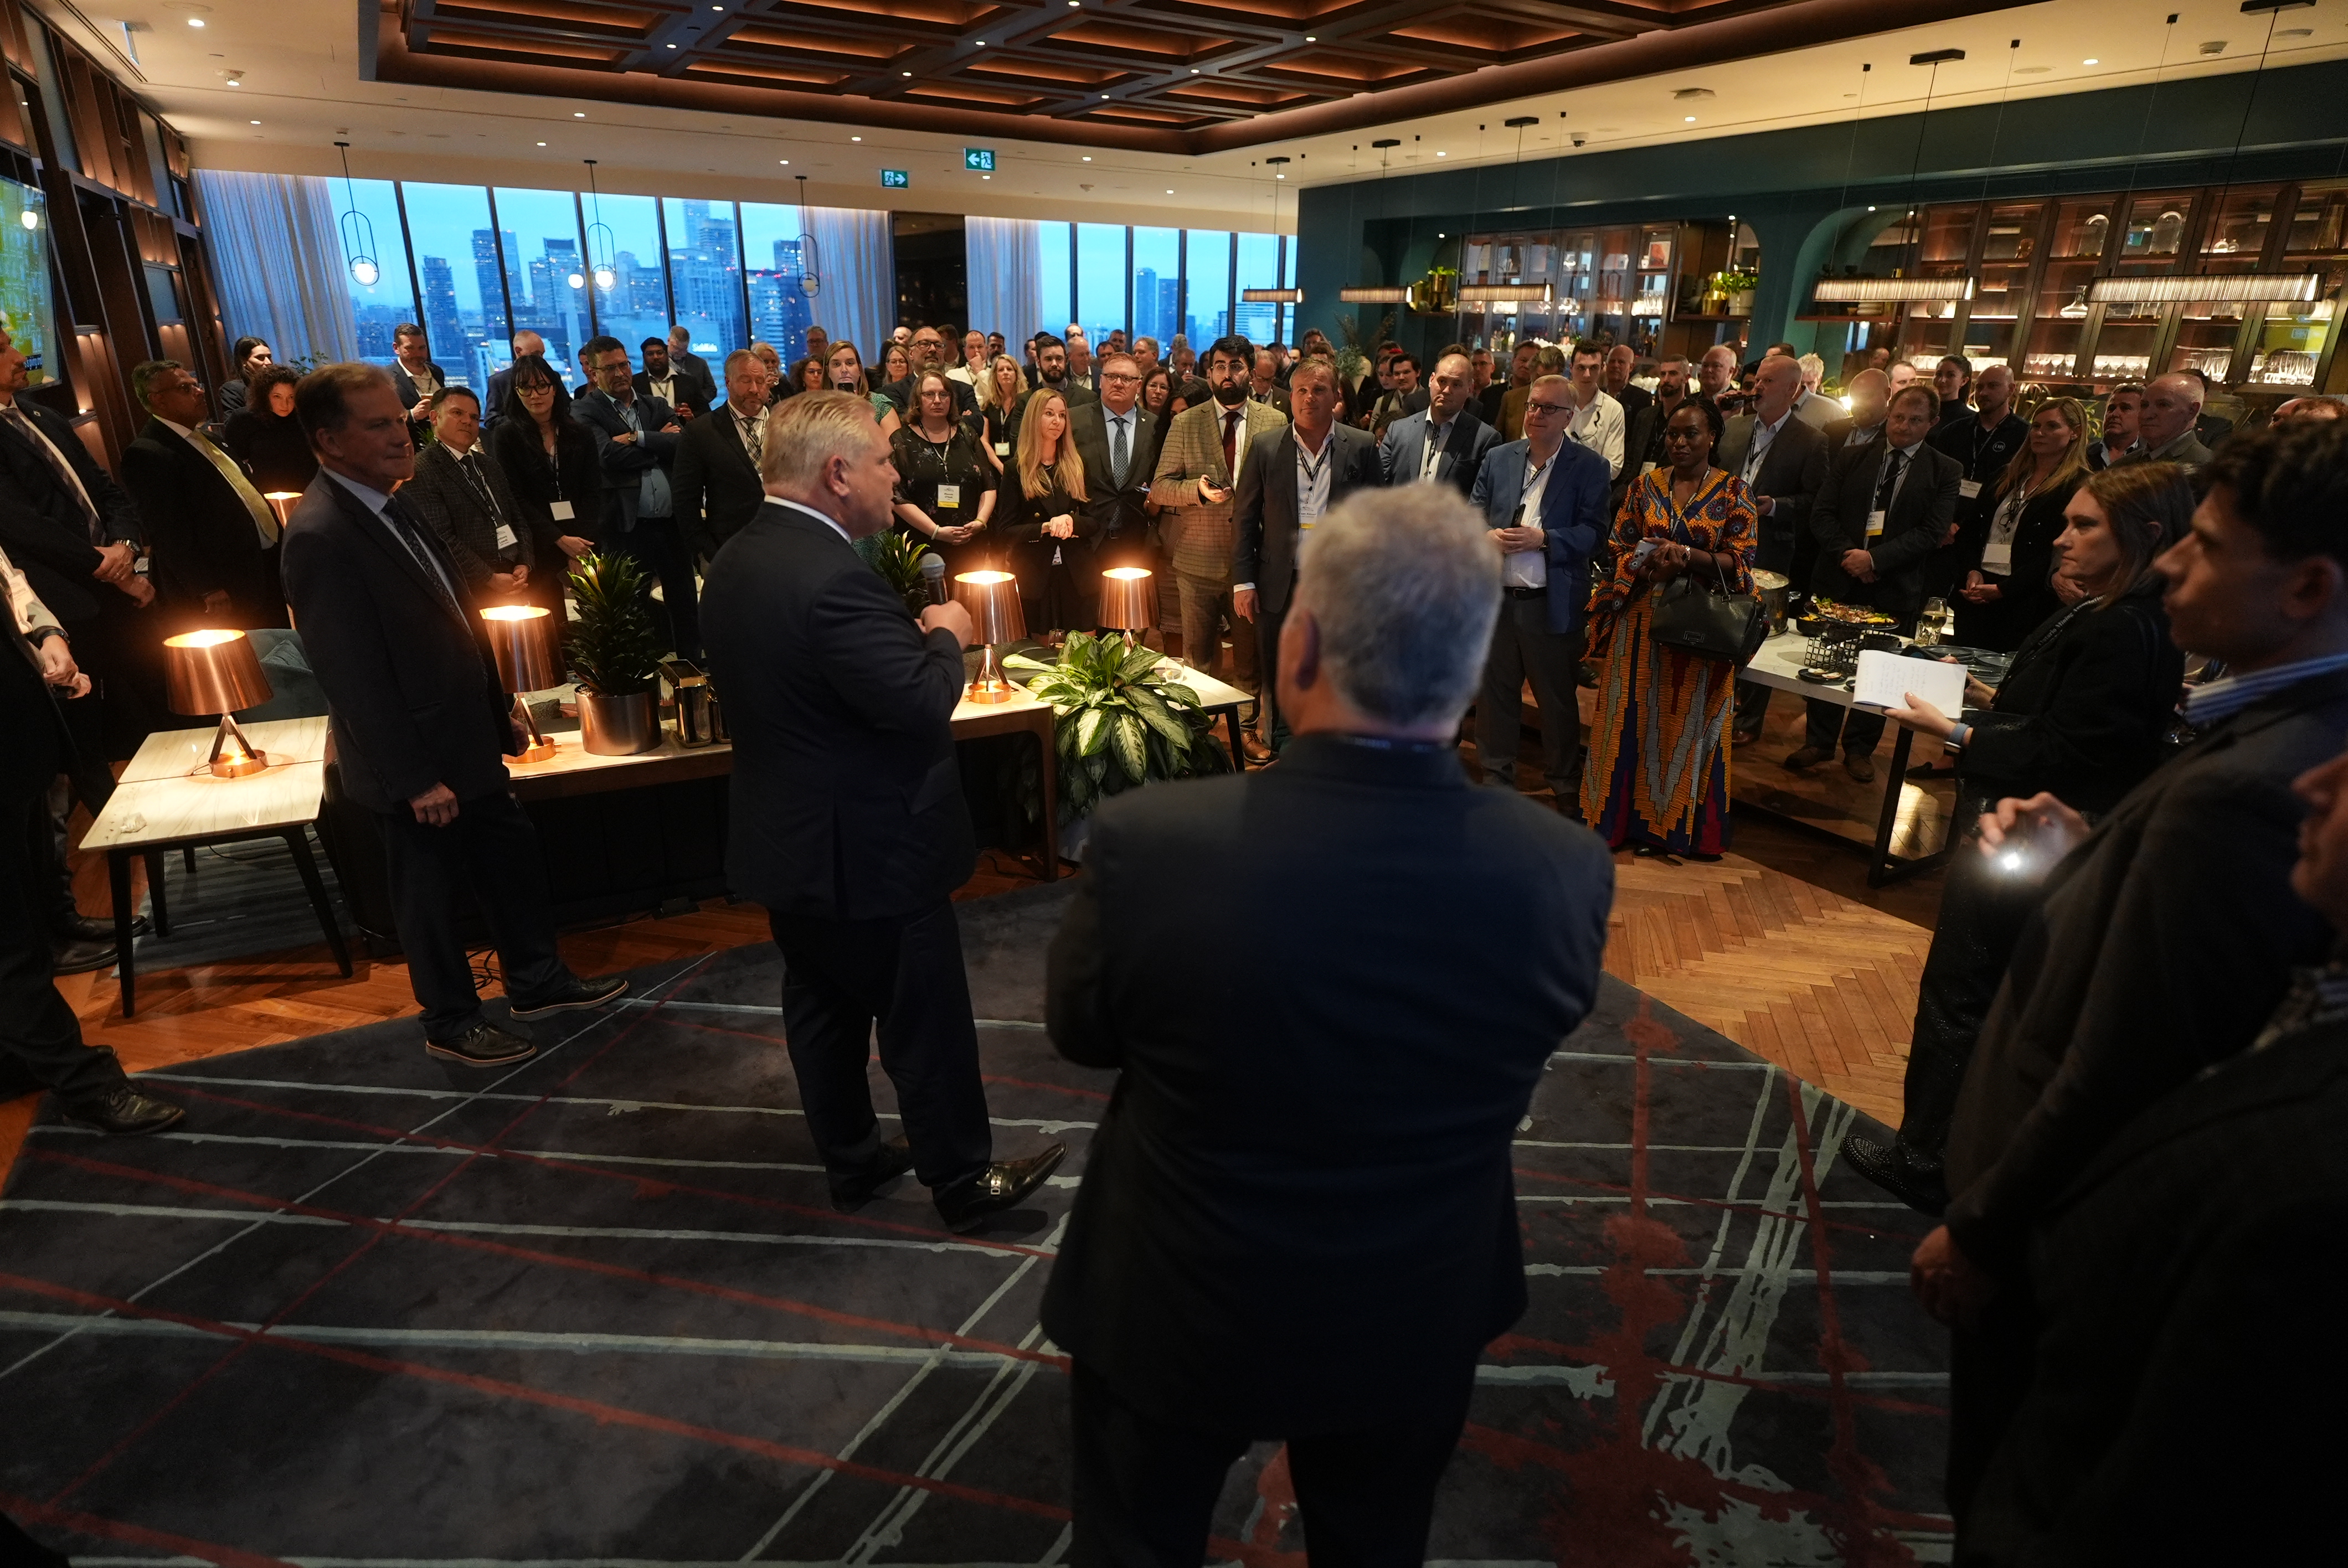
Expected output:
(2091, 62)
(856, 139)
(195, 21)
(256, 122)
(785, 162)
(1088, 158)
(672, 46)
(541, 144)
(1170, 191)
(1691, 119)
(235, 82)
(1442, 155)
(981, 43)
(1311, 39)
(904, 73)
(578, 113)
(986, 176)
(1194, 71)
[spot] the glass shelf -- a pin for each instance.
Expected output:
(2157, 227)
(2243, 224)
(2081, 229)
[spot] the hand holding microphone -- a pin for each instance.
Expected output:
(934, 576)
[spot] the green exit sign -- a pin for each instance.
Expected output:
(979, 158)
(896, 179)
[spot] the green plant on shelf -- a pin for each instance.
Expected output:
(611, 648)
(897, 557)
(1120, 721)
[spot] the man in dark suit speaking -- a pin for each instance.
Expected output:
(419, 721)
(1297, 1220)
(849, 822)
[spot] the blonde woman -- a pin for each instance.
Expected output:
(1000, 388)
(2008, 551)
(844, 371)
(1047, 528)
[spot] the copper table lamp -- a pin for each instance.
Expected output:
(993, 600)
(1129, 600)
(283, 503)
(215, 671)
(522, 638)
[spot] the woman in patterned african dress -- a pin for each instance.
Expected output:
(1658, 770)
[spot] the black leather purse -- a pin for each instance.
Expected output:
(1706, 619)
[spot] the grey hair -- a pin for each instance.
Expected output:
(1404, 587)
(805, 434)
(144, 376)
(739, 356)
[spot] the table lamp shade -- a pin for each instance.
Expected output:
(212, 672)
(283, 503)
(523, 638)
(993, 600)
(1129, 600)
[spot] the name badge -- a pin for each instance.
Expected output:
(1969, 488)
(506, 538)
(1874, 525)
(949, 497)
(1998, 558)
(562, 512)
(1003, 448)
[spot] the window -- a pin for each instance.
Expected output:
(1101, 280)
(1158, 285)
(781, 310)
(546, 273)
(704, 275)
(624, 261)
(1207, 273)
(390, 300)
(463, 311)
(1058, 304)
(1259, 269)
(1288, 281)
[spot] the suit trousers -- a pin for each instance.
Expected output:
(1206, 610)
(840, 979)
(491, 848)
(40, 1039)
(1146, 1491)
(660, 553)
(1523, 646)
(1829, 723)
(1269, 723)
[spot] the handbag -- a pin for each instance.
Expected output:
(1706, 619)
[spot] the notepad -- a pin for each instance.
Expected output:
(1886, 679)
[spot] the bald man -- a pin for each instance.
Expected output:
(1716, 373)
(1871, 395)
(2165, 430)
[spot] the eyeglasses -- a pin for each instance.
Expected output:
(1117, 375)
(1547, 408)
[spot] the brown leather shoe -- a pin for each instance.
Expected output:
(1002, 1186)
(1807, 757)
(1858, 765)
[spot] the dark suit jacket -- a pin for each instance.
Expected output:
(1635, 399)
(1575, 516)
(698, 368)
(42, 525)
(405, 384)
(717, 486)
(2187, 450)
(467, 526)
(1920, 515)
(1265, 530)
(1792, 473)
(2182, 1281)
(2157, 947)
(1118, 514)
(1402, 450)
(202, 536)
(38, 747)
(847, 795)
(1298, 1213)
(624, 462)
(577, 477)
(680, 382)
(410, 685)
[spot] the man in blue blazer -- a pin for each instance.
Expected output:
(1444, 441)
(1544, 498)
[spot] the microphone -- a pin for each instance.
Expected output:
(934, 576)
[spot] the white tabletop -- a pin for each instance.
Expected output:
(192, 809)
(176, 753)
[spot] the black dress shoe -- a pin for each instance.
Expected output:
(850, 1193)
(97, 928)
(1890, 1168)
(574, 996)
(483, 1045)
(1002, 1186)
(79, 955)
(124, 1112)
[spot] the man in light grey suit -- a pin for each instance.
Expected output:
(1292, 476)
(1544, 499)
(1444, 442)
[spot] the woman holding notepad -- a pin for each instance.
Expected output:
(2084, 712)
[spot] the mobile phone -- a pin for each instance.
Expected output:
(1646, 548)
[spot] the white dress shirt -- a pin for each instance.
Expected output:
(1598, 425)
(831, 523)
(1312, 488)
(1529, 568)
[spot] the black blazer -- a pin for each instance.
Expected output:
(466, 524)
(410, 685)
(1297, 1213)
(847, 796)
(1118, 515)
(1265, 532)
(2026, 594)
(575, 474)
(698, 368)
(625, 462)
(686, 387)
(1019, 519)
(38, 748)
(2182, 1281)
(405, 384)
(1920, 518)
(2158, 946)
(202, 536)
(2084, 707)
(717, 485)
(1792, 473)
(42, 525)
(274, 451)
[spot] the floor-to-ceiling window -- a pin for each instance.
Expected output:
(1055, 266)
(546, 273)
(463, 308)
(623, 260)
(1259, 267)
(1101, 280)
(774, 238)
(1158, 284)
(1207, 303)
(704, 275)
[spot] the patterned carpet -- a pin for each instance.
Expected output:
(369, 1310)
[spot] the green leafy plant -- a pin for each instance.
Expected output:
(612, 647)
(1120, 720)
(897, 557)
(1353, 358)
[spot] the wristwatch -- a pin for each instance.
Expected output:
(40, 634)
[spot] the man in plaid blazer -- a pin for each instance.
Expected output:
(1198, 476)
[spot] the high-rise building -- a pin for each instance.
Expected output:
(443, 327)
(779, 309)
(706, 276)
(490, 279)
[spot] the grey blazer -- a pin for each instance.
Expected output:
(1402, 450)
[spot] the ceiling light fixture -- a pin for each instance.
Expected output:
(1381, 294)
(1277, 163)
(1689, 120)
(541, 144)
(195, 21)
(256, 122)
(1507, 295)
(811, 254)
(2278, 288)
(1088, 158)
(599, 254)
(784, 161)
(357, 231)
(578, 113)
(1898, 291)
(2091, 62)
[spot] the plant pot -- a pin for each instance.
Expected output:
(1740, 302)
(619, 726)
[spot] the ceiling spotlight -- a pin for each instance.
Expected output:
(256, 122)
(856, 139)
(986, 176)
(1442, 155)
(2091, 62)
(541, 144)
(981, 43)
(672, 46)
(1194, 71)
(1311, 39)
(784, 162)
(1170, 191)
(1088, 158)
(236, 81)
(578, 113)
(195, 21)
(904, 73)
(1690, 119)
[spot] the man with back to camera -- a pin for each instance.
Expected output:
(420, 722)
(1297, 1220)
(2165, 939)
(848, 820)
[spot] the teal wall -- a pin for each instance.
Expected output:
(1798, 188)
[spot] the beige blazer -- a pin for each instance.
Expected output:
(1198, 534)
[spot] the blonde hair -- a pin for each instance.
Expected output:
(832, 352)
(1067, 463)
(2074, 457)
(807, 433)
(990, 388)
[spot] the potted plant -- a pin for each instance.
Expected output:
(1120, 720)
(614, 656)
(1738, 287)
(897, 557)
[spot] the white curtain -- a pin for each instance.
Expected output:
(278, 260)
(1004, 274)
(858, 301)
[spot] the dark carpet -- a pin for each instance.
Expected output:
(367, 1309)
